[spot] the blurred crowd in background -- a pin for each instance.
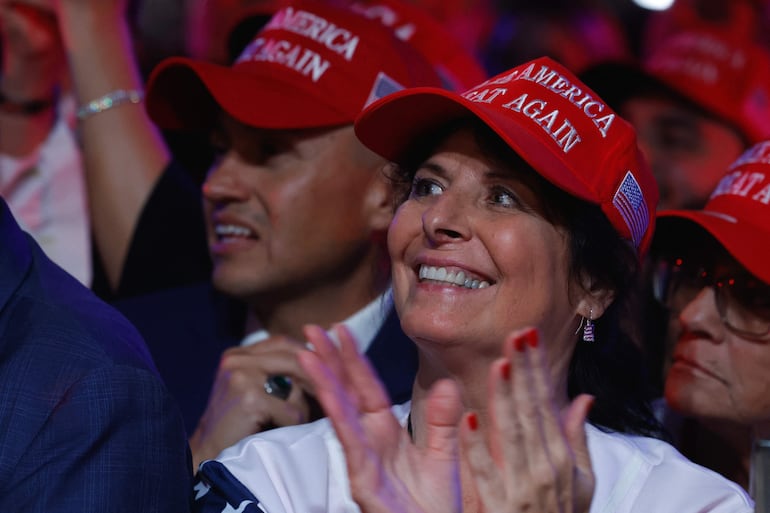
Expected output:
(502, 33)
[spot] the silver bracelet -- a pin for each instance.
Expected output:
(110, 100)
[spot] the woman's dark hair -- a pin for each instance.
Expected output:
(611, 368)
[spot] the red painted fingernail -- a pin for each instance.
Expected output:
(518, 344)
(532, 338)
(473, 421)
(505, 370)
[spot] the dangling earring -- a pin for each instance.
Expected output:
(588, 330)
(582, 319)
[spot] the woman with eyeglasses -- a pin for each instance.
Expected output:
(712, 272)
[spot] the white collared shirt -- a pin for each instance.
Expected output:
(364, 324)
(300, 469)
(46, 193)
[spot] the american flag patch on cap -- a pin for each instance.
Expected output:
(630, 203)
(383, 86)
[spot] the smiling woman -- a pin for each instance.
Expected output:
(529, 238)
(508, 247)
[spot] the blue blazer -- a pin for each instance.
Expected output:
(85, 422)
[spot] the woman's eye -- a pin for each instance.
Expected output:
(423, 187)
(504, 198)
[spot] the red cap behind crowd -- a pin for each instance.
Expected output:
(737, 214)
(313, 65)
(458, 68)
(552, 120)
(723, 72)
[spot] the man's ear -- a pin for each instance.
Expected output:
(379, 200)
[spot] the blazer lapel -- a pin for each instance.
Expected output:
(394, 357)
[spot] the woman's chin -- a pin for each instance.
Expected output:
(439, 332)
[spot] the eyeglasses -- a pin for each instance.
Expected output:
(743, 301)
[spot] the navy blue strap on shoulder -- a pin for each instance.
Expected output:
(216, 490)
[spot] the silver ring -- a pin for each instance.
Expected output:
(278, 386)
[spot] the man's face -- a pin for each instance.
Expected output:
(687, 151)
(289, 211)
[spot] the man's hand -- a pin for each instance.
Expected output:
(239, 405)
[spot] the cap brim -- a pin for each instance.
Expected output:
(393, 125)
(184, 94)
(746, 242)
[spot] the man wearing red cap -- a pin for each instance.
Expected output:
(698, 101)
(302, 246)
(712, 271)
(295, 207)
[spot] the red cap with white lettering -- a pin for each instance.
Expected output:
(552, 120)
(458, 68)
(722, 71)
(737, 214)
(312, 65)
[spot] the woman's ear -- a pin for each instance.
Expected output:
(594, 300)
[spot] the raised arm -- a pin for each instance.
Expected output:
(123, 152)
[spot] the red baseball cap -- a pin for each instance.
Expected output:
(737, 213)
(552, 120)
(723, 72)
(313, 65)
(458, 68)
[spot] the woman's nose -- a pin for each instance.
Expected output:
(701, 314)
(446, 220)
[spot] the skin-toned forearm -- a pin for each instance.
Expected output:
(123, 152)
